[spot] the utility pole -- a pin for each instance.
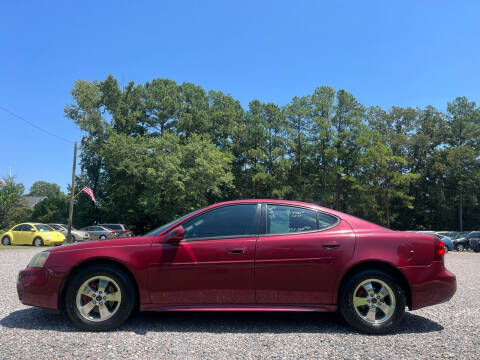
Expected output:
(72, 194)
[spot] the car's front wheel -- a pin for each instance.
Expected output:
(372, 301)
(100, 298)
(102, 237)
(5, 240)
(459, 247)
(38, 242)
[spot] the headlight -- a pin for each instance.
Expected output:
(39, 259)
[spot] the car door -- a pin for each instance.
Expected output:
(17, 233)
(213, 264)
(28, 232)
(97, 231)
(299, 255)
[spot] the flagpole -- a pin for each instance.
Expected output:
(72, 191)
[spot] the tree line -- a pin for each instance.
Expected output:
(158, 150)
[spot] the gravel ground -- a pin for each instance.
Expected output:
(449, 330)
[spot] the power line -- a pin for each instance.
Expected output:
(34, 125)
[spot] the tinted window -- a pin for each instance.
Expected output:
(475, 234)
(288, 219)
(235, 220)
(27, 227)
(56, 227)
(325, 221)
(18, 228)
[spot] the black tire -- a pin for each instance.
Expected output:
(37, 242)
(459, 247)
(102, 237)
(121, 311)
(73, 238)
(354, 317)
(6, 240)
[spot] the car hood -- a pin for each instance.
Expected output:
(103, 244)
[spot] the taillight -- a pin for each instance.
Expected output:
(112, 232)
(124, 231)
(439, 249)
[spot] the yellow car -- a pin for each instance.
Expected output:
(32, 234)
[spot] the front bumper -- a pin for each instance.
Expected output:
(39, 287)
(430, 285)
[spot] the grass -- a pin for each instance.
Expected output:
(14, 247)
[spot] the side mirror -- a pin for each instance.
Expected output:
(176, 235)
(32, 230)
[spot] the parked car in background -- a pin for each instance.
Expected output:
(447, 241)
(245, 255)
(120, 229)
(461, 243)
(99, 232)
(474, 240)
(77, 235)
(32, 234)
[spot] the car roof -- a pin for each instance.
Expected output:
(353, 220)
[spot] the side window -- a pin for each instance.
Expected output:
(18, 228)
(234, 220)
(283, 219)
(326, 221)
(27, 228)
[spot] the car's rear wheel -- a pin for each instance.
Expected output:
(38, 241)
(103, 237)
(372, 301)
(459, 247)
(6, 240)
(100, 298)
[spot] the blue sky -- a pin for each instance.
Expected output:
(404, 53)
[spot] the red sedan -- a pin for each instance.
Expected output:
(249, 255)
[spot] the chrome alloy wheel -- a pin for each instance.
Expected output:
(374, 301)
(99, 298)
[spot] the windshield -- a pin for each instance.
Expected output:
(43, 228)
(163, 227)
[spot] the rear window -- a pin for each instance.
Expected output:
(283, 219)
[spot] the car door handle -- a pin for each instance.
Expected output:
(237, 251)
(331, 245)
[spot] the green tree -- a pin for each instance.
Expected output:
(12, 206)
(299, 126)
(43, 188)
(52, 209)
(463, 137)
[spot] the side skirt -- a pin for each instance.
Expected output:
(267, 307)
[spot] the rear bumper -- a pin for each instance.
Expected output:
(430, 285)
(39, 287)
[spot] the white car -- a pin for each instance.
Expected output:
(77, 235)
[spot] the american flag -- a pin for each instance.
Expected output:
(87, 190)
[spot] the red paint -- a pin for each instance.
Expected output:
(289, 272)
